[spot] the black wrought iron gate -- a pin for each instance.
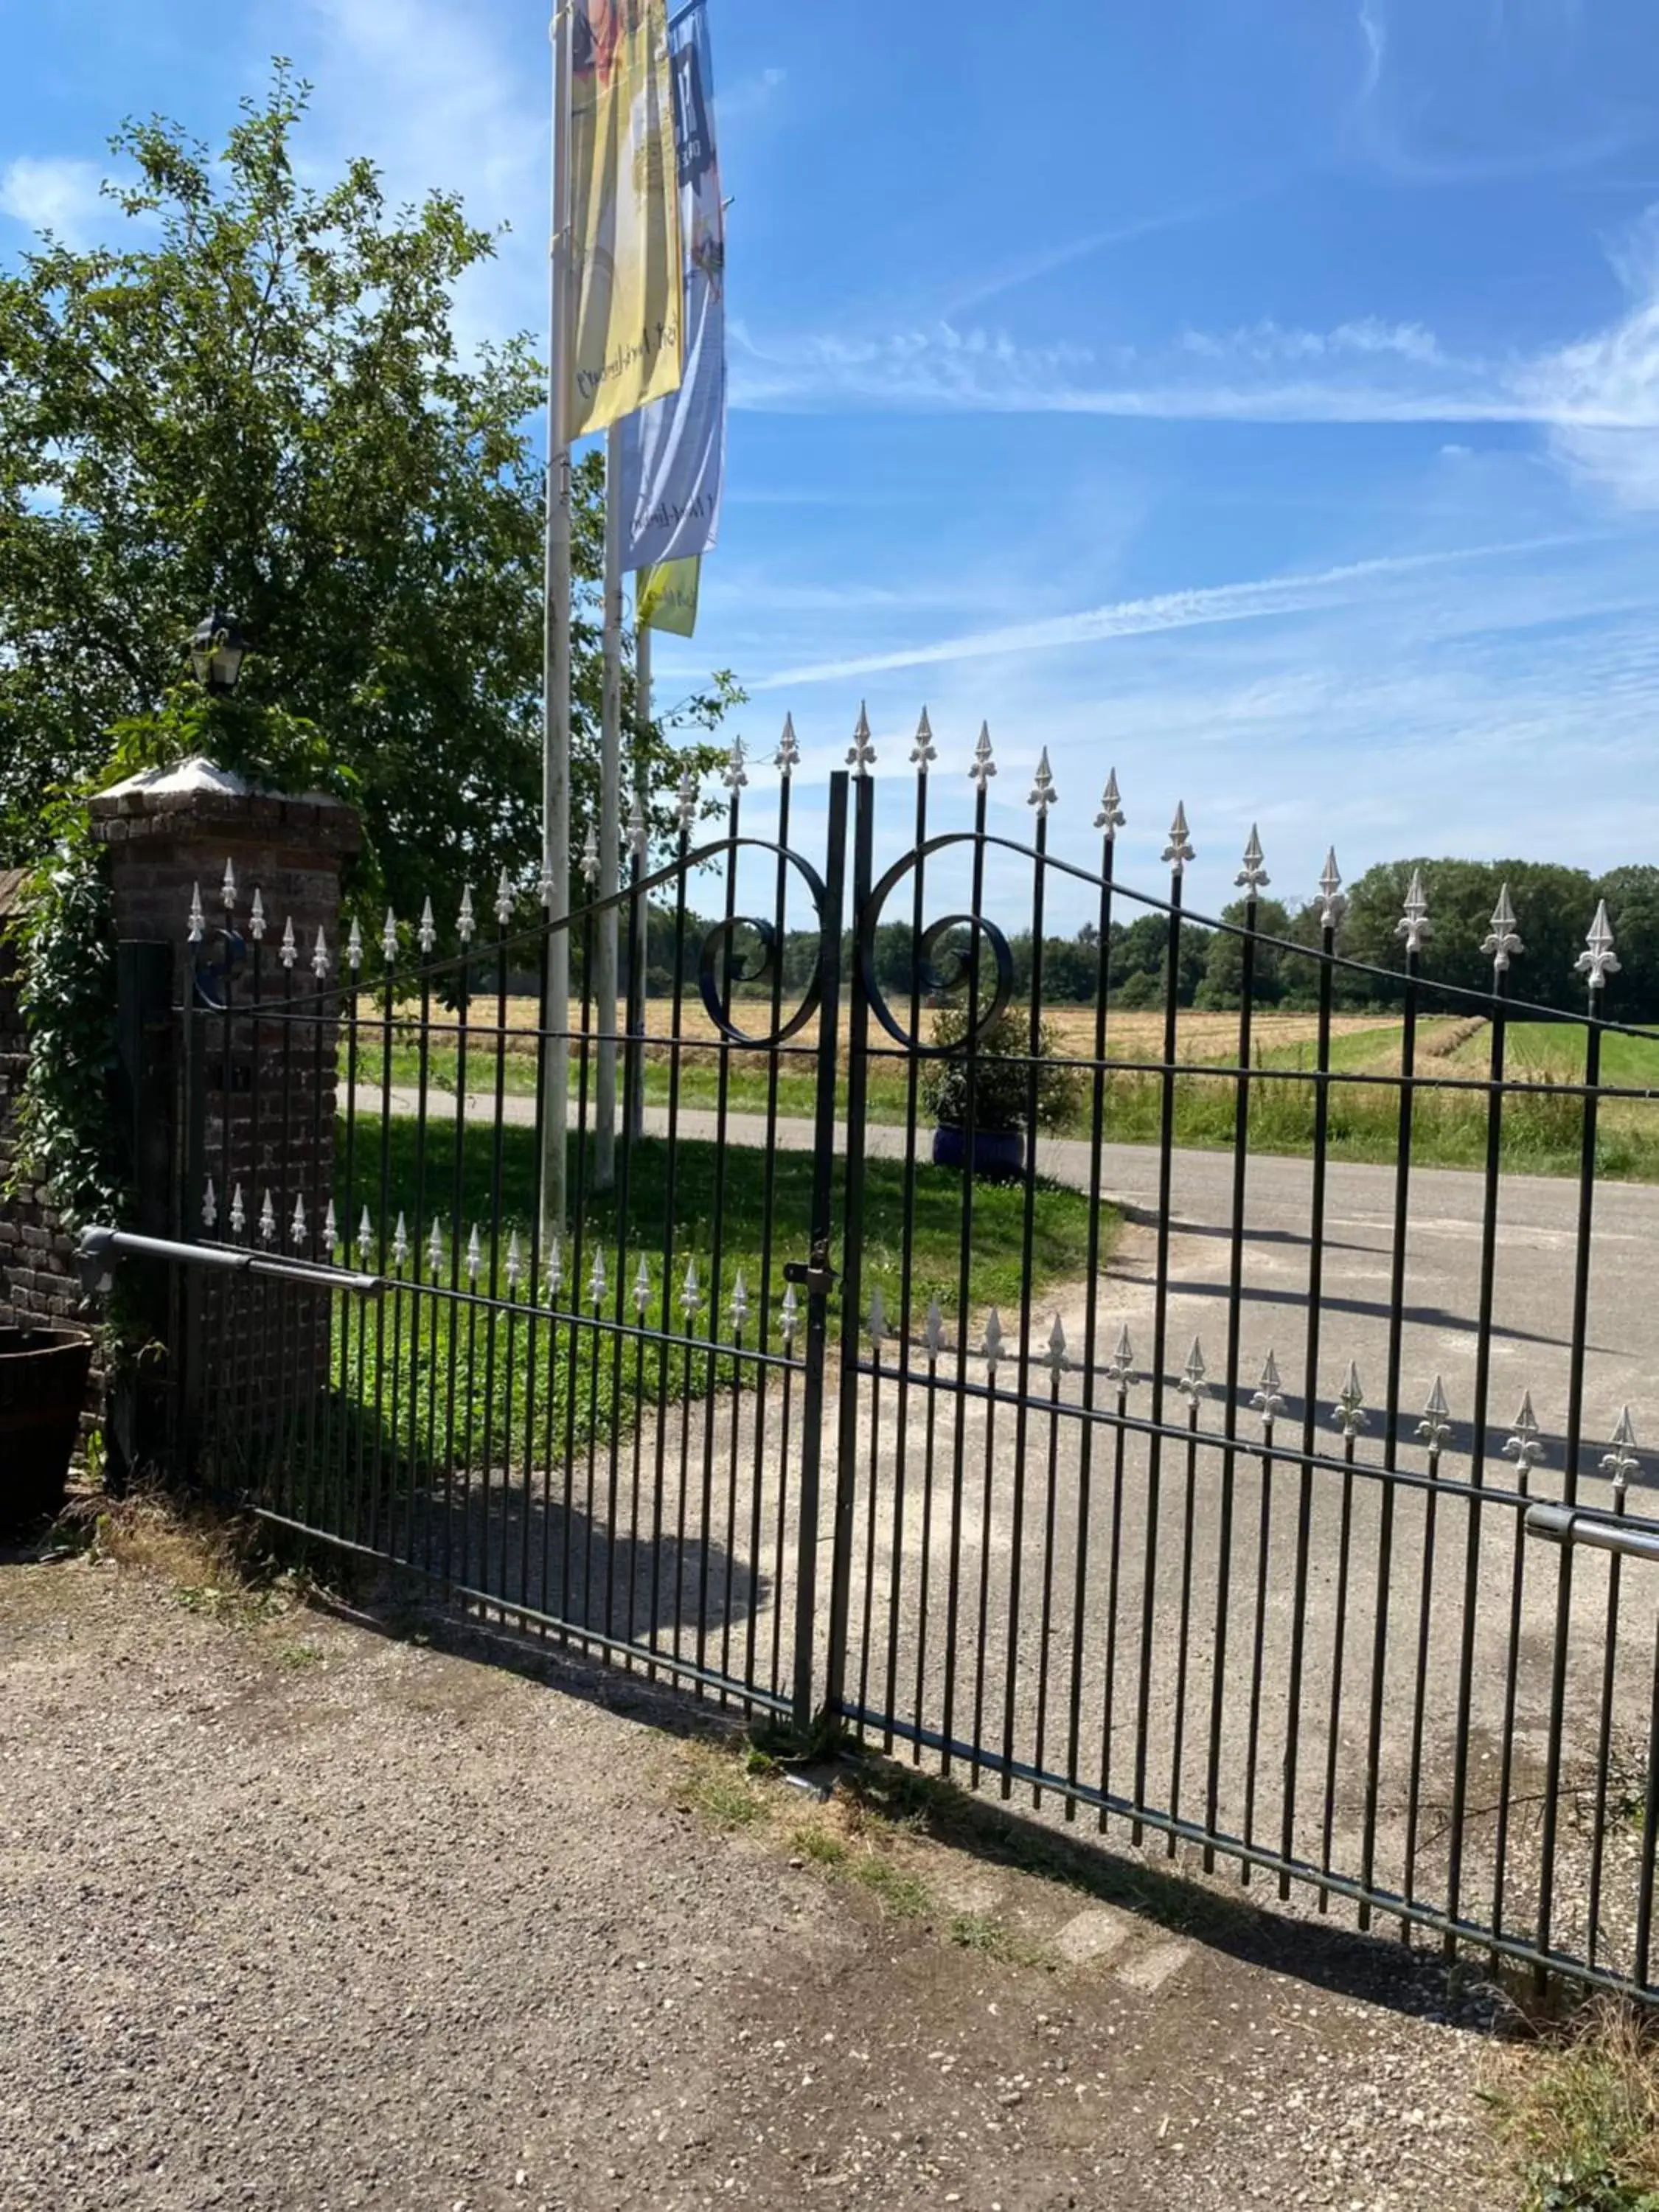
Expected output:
(1090, 1474)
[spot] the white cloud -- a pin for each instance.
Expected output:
(1262, 599)
(53, 193)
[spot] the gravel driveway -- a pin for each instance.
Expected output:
(301, 1915)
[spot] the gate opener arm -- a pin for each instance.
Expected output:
(100, 1246)
(1561, 1524)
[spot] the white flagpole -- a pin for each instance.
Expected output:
(604, 962)
(556, 670)
(640, 950)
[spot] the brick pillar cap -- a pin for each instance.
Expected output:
(196, 796)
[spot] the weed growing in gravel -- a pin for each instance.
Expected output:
(994, 1939)
(721, 1791)
(1577, 2119)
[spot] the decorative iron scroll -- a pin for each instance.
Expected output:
(958, 966)
(712, 963)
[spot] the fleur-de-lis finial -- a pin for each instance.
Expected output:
(209, 1204)
(330, 1228)
(256, 919)
(1333, 901)
(1268, 1401)
(365, 1236)
(1413, 924)
(297, 1228)
(1621, 1462)
(554, 1272)
(861, 754)
(1179, 850)
(933, 1335)
(545, 885)
(638, 834)
(642, 1287)
(878, 1321)
(1349, 1411)
(690, 1296)
(504, 901)
(514, 1263)
(1191, 1382)
(238, 1211)
(319, 956)
(993, 1347)
(267, 1220)
(400, 1242)
(466, 922)
(1434, 1430)
(434, 1247)
(289, 951)
(734, 775)
(596, 1277)
(924, 752)
(787, 759)
(1523, 1447)
(389, 938)
(1111, 817)
(427, 935)
(789, 1315)
(591, 857)
(1598, 961)
(984, 767)
(197, 928)
(687, 804)
(740, 1304)
(1121, 1367)
(474, 1257)
(1042, 789)
(1503, 944)
(354, 946)
(1058, 1357)
(1253, 877)
(227, 889)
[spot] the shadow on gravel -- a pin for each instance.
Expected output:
(1245, 1925)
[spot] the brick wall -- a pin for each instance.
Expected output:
(264, 1076)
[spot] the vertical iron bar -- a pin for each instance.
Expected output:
(1160, 1336)
(1017, 1540)
(1390, 1420)
(817, 1304)
(852, 1299)
(1224, 1542)
(1581, 1288)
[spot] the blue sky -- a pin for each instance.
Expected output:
(1263, 398)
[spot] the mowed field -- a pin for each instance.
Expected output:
(1540, 1122)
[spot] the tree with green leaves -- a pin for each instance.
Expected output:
(259, 402)
(1552, 905)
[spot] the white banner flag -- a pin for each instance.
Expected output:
(674, 450)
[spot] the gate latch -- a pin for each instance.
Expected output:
(815, 1276)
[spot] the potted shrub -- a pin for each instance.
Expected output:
(998, 1079)
(43, 1386)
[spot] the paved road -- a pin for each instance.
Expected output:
(1536, 1252)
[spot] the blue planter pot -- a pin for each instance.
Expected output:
(999, 1155)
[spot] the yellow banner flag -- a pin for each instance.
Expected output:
(665, 596)
(624, 212)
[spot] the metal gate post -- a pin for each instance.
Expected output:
(852, 1301)
(817, 1275)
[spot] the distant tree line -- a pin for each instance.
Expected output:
(1553, 906)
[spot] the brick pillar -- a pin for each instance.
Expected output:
(256, 1102)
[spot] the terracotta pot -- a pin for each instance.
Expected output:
(43, 1387)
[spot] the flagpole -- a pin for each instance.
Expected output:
(605, 964)
(555, 661)
(639, 952)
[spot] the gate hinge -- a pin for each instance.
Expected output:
(815, 1276)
